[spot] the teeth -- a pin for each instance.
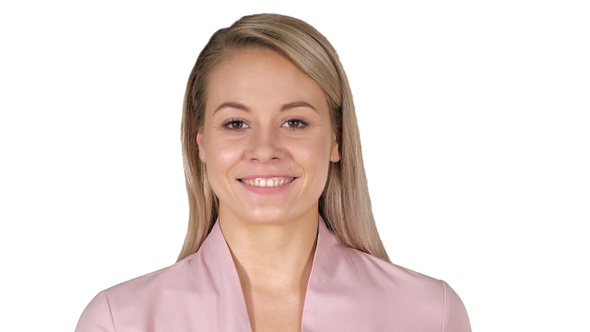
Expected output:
(267, 182)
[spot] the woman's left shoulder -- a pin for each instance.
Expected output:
(383, 295)
(385, 275)
(389, 273)
(420, 291)
(417, 295)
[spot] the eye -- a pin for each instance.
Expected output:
(235, 124)
(295, 124)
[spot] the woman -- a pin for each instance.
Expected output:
(281, 235)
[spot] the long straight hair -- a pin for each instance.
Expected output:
(344, 205)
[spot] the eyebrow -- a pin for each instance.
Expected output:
(296, 104)
(242, 107)
(235, 105)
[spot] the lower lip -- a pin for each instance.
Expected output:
(267, 190)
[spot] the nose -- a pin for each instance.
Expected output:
(266, 146)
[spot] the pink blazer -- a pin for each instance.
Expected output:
(347, 291)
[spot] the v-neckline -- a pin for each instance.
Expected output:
(220, 259)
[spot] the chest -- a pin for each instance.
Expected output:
(275, 310)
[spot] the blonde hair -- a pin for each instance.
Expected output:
(345, 204)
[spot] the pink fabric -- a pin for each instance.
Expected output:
(347, 291)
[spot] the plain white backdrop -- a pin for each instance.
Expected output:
(475, 125)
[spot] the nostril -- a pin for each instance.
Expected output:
(266, 148)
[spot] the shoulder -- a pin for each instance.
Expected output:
(97, 315)
(189, 295)
(385, 295)
(420, 297)
(147, 284)
(385, 277)
(136, 297)
(356, 267)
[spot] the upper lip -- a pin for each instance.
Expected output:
(265, 176)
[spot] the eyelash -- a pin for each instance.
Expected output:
(300, 124)
(238, 125)
(231, 123)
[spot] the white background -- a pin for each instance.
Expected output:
(474, 119)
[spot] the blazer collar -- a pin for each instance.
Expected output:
(226, 283)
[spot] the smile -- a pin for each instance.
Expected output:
(267, 182)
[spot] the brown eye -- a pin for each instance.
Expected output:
(235, 125)
(295, 124)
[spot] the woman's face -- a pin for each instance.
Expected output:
(267, 140)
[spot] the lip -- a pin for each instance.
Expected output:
(267, 183)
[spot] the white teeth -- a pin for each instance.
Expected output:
(267, 182)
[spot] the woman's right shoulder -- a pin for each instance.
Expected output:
(138, 293)
(97, 316)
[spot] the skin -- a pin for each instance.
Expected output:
(265, 118)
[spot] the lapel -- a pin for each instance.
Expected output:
(325, 289)
(328, 267)
(232, 314)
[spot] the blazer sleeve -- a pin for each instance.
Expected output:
(97, 317)
(455, 314)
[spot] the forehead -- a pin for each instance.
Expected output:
(254, 73)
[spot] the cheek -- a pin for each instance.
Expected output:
(222, 154)
(316, 155)
(219, 168)
(215, 150)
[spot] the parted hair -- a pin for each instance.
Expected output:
(344, 205)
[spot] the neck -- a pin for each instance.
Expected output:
(272, 255)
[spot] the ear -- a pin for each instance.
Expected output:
(335, 154)
(202, 152)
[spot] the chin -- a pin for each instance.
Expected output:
(267, 219)
(268, 216)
